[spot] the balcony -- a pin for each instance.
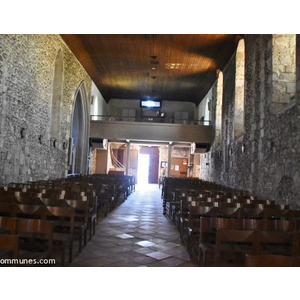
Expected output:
(149, 120)
(155, 129)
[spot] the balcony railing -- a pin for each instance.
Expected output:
(149, 120)
(150, 129)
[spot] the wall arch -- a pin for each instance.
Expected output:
(239, 90)
(57, 95)
(219, 106)
(80, 132)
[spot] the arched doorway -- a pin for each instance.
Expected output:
(80, 133)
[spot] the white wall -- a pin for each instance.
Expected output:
(202, 109)
(99, 106)
(115, 107)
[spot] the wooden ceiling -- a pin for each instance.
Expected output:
(178, 67)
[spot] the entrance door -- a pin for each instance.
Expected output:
(153, 153)
(153, 168)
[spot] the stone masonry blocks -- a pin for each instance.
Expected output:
(265, 160)
(26, 81)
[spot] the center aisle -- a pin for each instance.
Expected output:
(136, 234)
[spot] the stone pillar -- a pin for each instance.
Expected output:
(128, 158)
(169, 159)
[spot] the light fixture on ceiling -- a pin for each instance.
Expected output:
(175, 66)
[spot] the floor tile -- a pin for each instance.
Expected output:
(144, 250)
(158, 255)
(173, 261)
(144, 260)
(135, 234)
(145, 243)
(125, 236)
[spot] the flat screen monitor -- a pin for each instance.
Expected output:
(150, 104)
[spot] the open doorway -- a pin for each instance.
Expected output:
(143, 169)
(153, 154)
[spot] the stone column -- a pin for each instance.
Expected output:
(169, 159)
(128, 158)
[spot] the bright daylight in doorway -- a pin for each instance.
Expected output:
(143, 169)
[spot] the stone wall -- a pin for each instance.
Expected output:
(265, 159)
(284, 71)
(26, 85)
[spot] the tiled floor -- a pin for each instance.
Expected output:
(135, 234)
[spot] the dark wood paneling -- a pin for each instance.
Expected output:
(178, 67)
